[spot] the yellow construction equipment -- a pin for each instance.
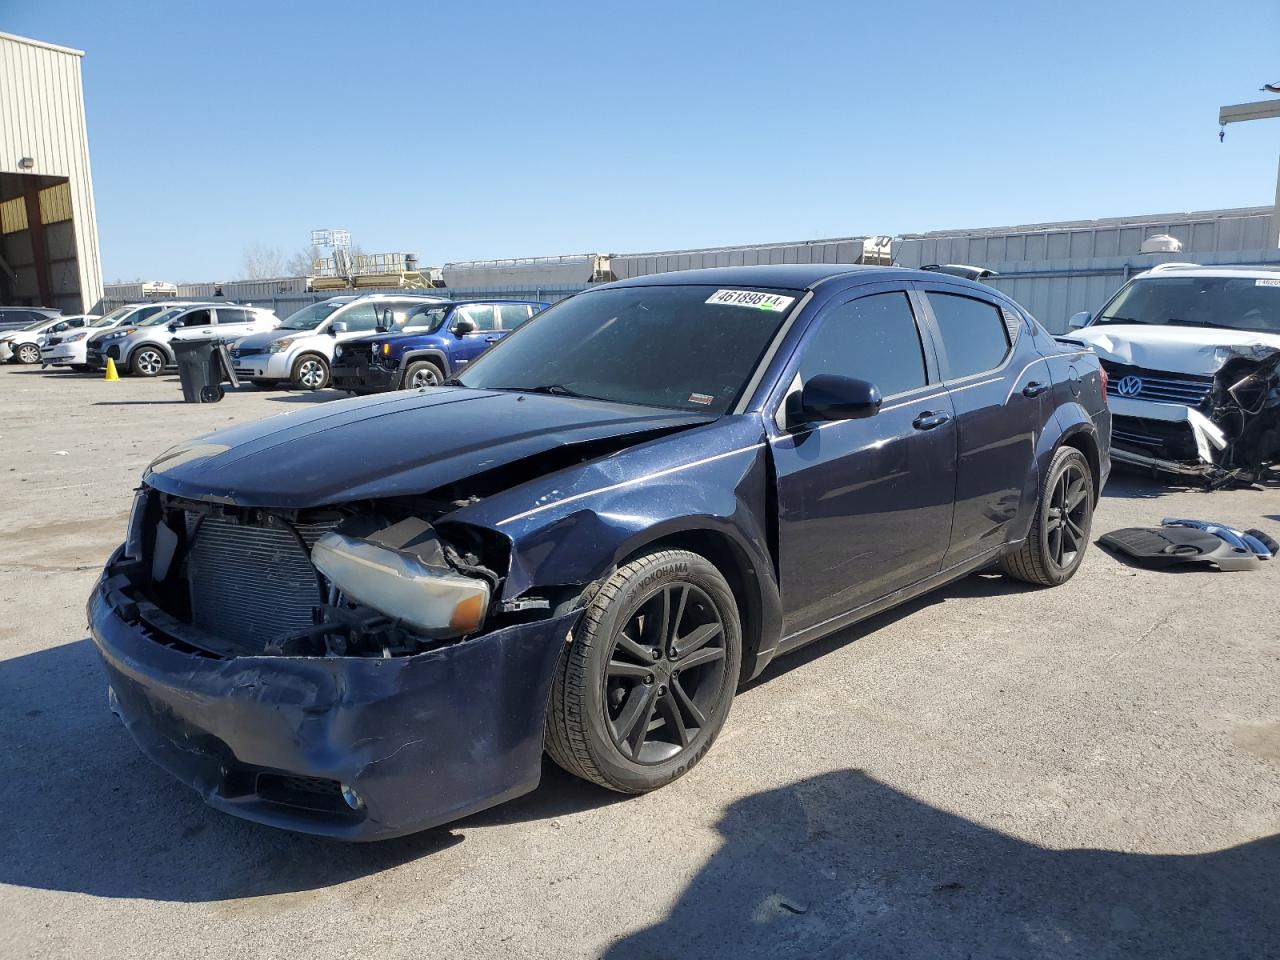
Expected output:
(111, 370)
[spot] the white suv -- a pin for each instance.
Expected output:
(144, 350)
(300, 350)
(1163, 340)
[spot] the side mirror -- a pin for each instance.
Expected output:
(1080, 319)
(463, 327)
(828, 397)
(337, 327)
(173, 326)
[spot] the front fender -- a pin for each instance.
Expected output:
(575, 526)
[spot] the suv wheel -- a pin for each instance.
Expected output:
(423, 373)
(311, 372)
(147, 362)
(646, 684)
(1059, 534)
(28, 353)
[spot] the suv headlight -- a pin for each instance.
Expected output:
(438, 601)
(118, 334)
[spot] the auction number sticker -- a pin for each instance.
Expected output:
(1266, 283)
(751, 298)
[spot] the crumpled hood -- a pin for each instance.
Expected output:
(390, 445)
(1172, 348)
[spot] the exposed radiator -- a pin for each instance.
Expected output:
(252, 584)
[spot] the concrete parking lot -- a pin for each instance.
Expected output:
(1091, 771)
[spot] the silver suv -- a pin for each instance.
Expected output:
(144, 349)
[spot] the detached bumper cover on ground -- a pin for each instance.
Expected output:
(422, 740)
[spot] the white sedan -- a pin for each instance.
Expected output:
(23, 346)
(67, 348)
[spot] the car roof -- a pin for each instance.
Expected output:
(496, 300)
(789, 276)
(1243, 271)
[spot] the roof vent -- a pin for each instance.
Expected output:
(1161, 243)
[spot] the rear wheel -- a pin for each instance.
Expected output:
(28, 353)
(147, 362)
(644, 688)
(311, 372)
(423, 373)
(1055, 545)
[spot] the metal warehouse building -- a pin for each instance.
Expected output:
(48, 228)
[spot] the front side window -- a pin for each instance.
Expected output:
(197, 318)
(360, 316)
(689, 348)
(873, 338)
(974, 334)
(1233, 303)
(481, 314)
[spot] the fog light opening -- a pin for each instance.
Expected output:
(352, 798)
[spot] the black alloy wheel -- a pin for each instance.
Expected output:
(665, 673)
(648, 678)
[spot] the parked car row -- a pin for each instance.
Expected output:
(363, 343)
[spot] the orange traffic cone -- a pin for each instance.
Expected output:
(111, 370)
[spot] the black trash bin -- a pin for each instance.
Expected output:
(202, 366)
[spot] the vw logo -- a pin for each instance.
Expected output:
(1129, 386)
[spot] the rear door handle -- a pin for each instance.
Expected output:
(1034, 389)
(927, 420)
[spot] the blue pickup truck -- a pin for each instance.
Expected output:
(446, 337)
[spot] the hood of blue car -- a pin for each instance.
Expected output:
(395, 444)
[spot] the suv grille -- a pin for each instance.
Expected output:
(1157, 385)
(252, 584)
(359, 353)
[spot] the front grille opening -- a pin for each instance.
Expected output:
(305, 793)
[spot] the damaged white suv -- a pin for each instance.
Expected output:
(1192, 355)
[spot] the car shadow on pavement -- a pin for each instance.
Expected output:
(842, 865)
(84, 811)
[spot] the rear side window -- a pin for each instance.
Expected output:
(513, 314)
(974, 334)
(875, 339)
(229, 315)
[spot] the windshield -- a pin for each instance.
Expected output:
(308, 318)
(686, 347)
(1234, 303)
(427, 320)
(164, 316)
(106, 321)
(116, 314)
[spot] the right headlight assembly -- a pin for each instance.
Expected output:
(437, 601)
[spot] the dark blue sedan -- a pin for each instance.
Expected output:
(375, 616)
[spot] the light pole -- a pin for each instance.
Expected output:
(1258, 110)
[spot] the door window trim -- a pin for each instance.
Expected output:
(787, 383)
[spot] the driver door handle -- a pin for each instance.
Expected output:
(928, 420)
(1034, 389)
(492, 339)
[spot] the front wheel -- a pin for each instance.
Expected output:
(647, 681)
(28, 353)
(311, 372)
(422, 373)
(147, 362)
(1059, 534)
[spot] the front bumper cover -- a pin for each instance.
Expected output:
(422, 740)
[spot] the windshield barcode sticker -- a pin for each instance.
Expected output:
(1266, 283)
(751, 298)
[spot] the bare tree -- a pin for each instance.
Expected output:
(301, 264)
(261, 262)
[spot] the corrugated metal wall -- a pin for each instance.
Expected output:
(42, 117)
(1058, 269)
(527, 273)
(843, 250)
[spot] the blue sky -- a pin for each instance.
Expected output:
(476, 130)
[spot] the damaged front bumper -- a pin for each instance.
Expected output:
(355, 748)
